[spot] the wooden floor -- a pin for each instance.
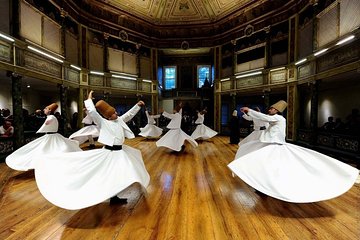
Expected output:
(191, 195)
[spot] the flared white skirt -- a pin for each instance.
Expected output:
(174, 139)
(83, 134)
(292, 173)
(23, 158)
(253, 136)
(150, 131)
(82, 179)
(203, 132)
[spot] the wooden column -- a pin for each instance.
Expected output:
(18, 118)
(314, 88)
(64, 116)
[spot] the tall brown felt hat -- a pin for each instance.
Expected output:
(104, 108)
(280, 105)
(52, 107)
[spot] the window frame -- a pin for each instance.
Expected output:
(165, 79)
(198, 73)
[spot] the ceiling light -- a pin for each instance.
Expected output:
(320, 52)
(127, 74)
(249, 74)
(7, 38)
(45, 54)
(75, 67)
(97, 73)
(345, 40)
(277, 69)
(225, 79)
(145, 80)
(124, 77)
(301, 61)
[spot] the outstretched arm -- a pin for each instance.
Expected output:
(90, 107)
(132, 112)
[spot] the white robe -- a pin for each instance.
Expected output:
(23, 158)
(175, 137)
(289, 172)
(151, 130)
(202, 131)
(256, 133)
(87, 132)
(79, 180)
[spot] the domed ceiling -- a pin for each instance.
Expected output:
(175, 12)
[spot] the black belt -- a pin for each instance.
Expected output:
(114, 147)
(262, 128)
(50, 132)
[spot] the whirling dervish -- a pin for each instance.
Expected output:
(202, 131)
(82, 179)
(175, 137)
(286, 171)
(151, 130)
(258, 126)
(88, 132)
(51, 142)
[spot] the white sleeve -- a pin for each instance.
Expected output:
(90, 107)
(263, 117)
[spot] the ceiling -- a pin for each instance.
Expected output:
(175, 12)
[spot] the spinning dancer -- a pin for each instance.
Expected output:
(202, 131)
(151, 130)
(79, 180)
(289, 172)
(87, 133)
(175, 137)
(258, 125)
(52, 142)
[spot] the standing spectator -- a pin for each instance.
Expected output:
(234, 128)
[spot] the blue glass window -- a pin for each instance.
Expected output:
(170, 77)
(203, 73)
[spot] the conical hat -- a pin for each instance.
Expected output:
(104, 108)
(280, 105)
(52, 107)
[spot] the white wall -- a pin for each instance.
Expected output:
(338, 102)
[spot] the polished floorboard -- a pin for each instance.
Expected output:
(192, 195)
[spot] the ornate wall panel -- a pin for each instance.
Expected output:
(123, 83)
(72, 48)
(146, 87)
(145, 68)
(43, 65)
(249, 81)
(30, 24)
(306, 70)
(278, 76)
(96, 57)
(339, 57)
(5, 51)
(349, 16)
(72, 75)
(327, 26)
(116, 61)
(226, 85)
(96, 80)
(129, 63)
(51, 35)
